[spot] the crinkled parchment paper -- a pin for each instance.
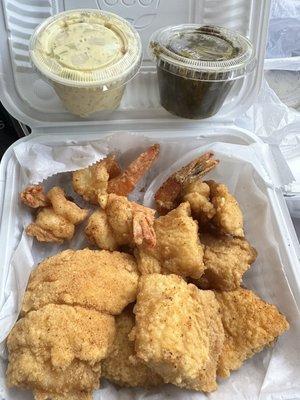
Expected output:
(272, 374)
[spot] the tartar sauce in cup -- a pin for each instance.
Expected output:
(197, 67)
(88, 56)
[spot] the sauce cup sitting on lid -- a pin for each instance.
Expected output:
(197, 67)
(88, 56)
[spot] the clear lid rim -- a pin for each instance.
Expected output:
(233, 64)
(127, 71)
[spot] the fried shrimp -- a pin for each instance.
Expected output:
(92, 181)
(167, 196)
(34, 197)
(106, 176)
(123, 184)
(197, 193)
(55, 222)
(120, 222)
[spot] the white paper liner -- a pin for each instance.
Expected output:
(272, 374)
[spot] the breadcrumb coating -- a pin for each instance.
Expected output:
(58, 350)
(250, 324)
(178, 331)
(226, 260)
(178, 249)
(101, 280)
(120, 367)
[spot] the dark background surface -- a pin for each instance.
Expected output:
(10, 130)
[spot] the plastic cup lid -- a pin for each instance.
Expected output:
(86, 48)
(192, 50)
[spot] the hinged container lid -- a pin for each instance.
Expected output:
(33, 101)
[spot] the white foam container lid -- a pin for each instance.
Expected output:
(31, 100)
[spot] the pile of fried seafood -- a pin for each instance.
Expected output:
(160, 301)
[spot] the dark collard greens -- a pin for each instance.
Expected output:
(190, 98)
(197, 67)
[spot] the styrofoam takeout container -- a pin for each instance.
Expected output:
(31, 100)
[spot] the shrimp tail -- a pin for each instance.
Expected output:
(167, 195)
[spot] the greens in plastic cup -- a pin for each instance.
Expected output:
(88, 56)
(197, 67)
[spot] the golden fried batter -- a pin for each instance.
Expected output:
(250, 324)
(178, 331)
(106, 176)
(100, 280)
(226, 259)
(99, 232)
(228, 217)
(34, 196)
(125, 183)
(55, 223)
(197, 194)
(57, 351)
(168, 195)
(66, 208)
(120, 222)
(120, 367)
(50, 227)
(41, 395)
(91, 181)
(178, 249)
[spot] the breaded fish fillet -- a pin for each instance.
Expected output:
(119, 367)
(178, 331)
(178, 249)
(226, 260)
(250, 324)
(101, 280)
(57, 350)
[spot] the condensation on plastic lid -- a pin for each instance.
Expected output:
(202, 52)
(86, 48)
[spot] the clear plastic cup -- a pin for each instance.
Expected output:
(197, 67)
(88, 56)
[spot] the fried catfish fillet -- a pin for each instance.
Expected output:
(56, 351)
(178, 249)
(250, 324)
(178, 331)
(228, 215)
(226, 260)
(120, 367)
(100, 280)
